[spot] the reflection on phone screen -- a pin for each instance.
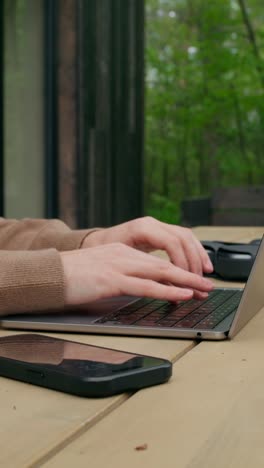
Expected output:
(67, 356)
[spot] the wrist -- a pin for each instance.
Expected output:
(92, 239)
(68, 260)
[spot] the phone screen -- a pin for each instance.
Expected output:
(70, 357)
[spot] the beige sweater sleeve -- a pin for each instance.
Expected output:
(31, 273)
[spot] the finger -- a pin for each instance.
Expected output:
(206, 262)
(192, 255)
(195, 252)
(179, 243)
(190, 247)
(132, 262)
(163, 240)
(148, 288)
(153, 236)
(150, 267)
(200, 295)
(183, 278)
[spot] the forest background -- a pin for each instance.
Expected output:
(204, 108)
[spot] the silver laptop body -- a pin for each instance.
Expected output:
(113, 316)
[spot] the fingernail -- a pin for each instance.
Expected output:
(187, 292)
(208, 283)
(209, 266)
(203, 295)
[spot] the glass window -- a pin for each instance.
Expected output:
(23, 108)
(204, 100)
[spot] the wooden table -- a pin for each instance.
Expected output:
(210, 414)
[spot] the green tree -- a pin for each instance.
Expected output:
(204, 99)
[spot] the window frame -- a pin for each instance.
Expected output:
(87, 165)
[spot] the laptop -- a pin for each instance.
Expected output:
(220, 316)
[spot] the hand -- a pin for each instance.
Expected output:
(116, 269)
(148, 234)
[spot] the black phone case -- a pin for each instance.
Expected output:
(132, 379)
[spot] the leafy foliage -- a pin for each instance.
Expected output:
(204, 99)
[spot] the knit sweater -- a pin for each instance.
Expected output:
(31, 273)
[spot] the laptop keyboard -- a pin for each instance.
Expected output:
(204, 314)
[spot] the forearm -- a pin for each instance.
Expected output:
(35, 234)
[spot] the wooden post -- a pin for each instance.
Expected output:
(100, 89)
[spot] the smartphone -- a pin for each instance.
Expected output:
(76, 368)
